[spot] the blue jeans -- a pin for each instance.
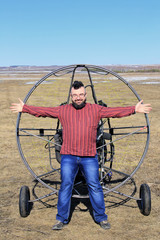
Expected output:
(89, 167)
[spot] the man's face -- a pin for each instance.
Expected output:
(78, 96)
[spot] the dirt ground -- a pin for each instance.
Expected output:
(126, 220)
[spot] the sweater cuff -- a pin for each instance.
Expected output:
(134, 110)
(24, 109)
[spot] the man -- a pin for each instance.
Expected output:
(79, 121)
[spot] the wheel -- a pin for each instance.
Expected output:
(24, 204)
(145, 202)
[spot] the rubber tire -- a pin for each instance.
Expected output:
(24, 204)
(145, 202)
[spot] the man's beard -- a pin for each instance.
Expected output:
(80, 106)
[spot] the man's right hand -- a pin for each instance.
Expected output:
(17, 107)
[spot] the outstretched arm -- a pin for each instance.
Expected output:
(52, 112)
(142, 108)
(17, 107)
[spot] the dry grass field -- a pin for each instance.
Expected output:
(126, 220)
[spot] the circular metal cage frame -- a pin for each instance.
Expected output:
(88, 68)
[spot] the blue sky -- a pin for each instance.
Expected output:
(63, 32)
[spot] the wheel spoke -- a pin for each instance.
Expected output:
(124, 136)
(37, 136)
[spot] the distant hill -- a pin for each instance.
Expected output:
(116, 68)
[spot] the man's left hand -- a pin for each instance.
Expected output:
(142, 108)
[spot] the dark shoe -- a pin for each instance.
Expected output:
(58, 225)
(105, 225)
